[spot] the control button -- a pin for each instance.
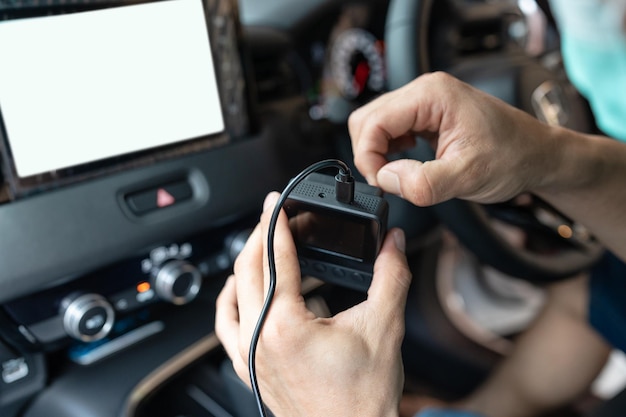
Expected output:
(22, 375)
(180, 190)
(178, 282)
(236, 242)
(13, 366)
(87, 317)
(321, 268)
(133, 298)
(152, 199)
(216, 264)
(14, 370)
(223, 261)
(92, 321)
(163, 198)
(357, 277)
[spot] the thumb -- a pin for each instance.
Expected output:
(422, 183)
(392, 276)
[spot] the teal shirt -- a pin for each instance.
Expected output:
(593, 43)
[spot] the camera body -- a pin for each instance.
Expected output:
(337, 242)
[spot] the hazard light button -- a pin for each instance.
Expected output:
(156, 198)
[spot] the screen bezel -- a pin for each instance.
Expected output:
(371, 231)
(17, 187)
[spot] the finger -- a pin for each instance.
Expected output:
(424, 183)
(249, 272)
(227, 319)
(289, 280)
(360, 115)
(379, 149)
(417, 107)
(369, 150)
(392, 278)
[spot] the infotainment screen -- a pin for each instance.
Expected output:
(84, 87)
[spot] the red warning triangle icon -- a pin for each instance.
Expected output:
(164, 198)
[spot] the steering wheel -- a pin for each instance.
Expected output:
(555, 247)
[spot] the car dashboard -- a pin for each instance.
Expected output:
(117, 231)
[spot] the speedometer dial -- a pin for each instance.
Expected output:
(357, 65)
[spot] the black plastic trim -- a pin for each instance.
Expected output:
(63, 233)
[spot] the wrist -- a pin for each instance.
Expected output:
(569, 160)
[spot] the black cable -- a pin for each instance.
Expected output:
(343, 176)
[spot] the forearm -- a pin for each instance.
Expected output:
(585, 178)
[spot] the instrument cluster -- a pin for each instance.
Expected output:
(348, 61)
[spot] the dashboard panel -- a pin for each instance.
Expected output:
(106, 234)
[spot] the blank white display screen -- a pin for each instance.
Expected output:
(82, 87)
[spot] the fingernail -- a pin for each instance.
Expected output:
(399, 239)
(389, 181)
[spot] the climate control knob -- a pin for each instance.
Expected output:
(177, 282)
(87, 317)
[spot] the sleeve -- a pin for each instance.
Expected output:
(446, 412)
(607, 291)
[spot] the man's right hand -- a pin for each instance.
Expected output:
(486, 150)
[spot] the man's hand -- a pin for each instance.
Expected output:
(346, 365)
(486, 150)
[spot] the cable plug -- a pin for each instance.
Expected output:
(344, 186)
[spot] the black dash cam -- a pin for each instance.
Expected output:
(337, 242)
